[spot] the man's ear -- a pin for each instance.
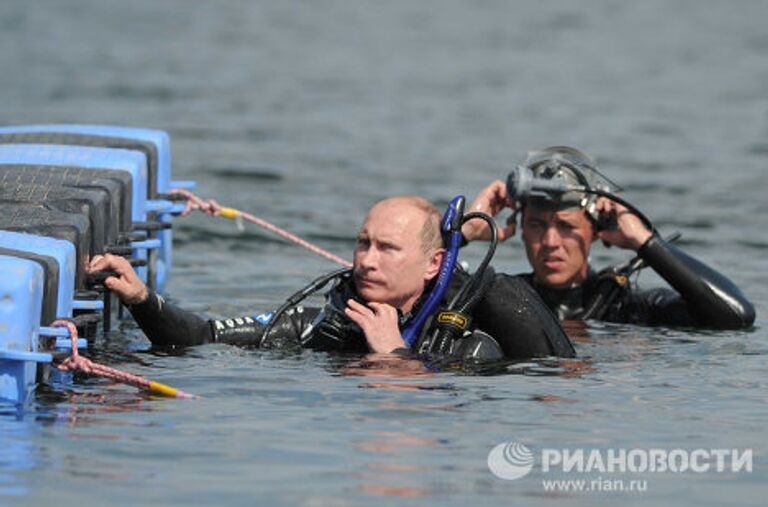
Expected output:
(434, 263)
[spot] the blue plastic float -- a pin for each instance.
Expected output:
(63, 156)
(38, 272)
(154, 145)
(21, 296)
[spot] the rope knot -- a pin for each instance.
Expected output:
(75, 361)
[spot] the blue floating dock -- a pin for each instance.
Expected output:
(121, 169)
(153, 144)
(62, 251)
(21, 294)
(96, 159)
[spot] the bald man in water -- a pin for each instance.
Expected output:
(397, 256)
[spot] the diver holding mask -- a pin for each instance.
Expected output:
(565, 205)
(385, 304)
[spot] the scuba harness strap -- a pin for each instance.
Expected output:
(453, 321)
(612, 282)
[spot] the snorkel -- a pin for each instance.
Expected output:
(451, 229)
(454, 319)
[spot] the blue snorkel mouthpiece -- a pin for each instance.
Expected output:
(451, 229)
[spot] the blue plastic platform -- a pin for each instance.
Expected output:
(21, 287)
(62, 251)
(89, 158)
(38, 271)
(99, 159)
(160, 167)
(157, 137)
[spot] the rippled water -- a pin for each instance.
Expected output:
(305, 112)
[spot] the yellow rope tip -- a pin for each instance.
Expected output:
(230, 213)
(162, 390)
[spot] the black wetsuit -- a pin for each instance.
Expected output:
(702, 297)
(511, 312)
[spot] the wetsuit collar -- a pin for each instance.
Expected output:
(566, 303)
(404, 318)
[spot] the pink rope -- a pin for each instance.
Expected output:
(213, 208)
(77, 362)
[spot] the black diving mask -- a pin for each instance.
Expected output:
(559, 178)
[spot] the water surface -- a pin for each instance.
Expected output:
(305, 113)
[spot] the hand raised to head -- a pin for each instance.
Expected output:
(630, 232)
(491, 200)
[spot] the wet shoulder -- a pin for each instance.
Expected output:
(514, 314)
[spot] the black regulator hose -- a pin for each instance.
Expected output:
(454, 319)
(452, 323)
(610, 195)
(299, 296)
(470, 285)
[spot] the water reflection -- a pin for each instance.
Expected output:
(17, 454)
(389, 473)
(82, 408)
(551, 398)
(399, 463)
(22, 426)
(577, 330)
(389, 366)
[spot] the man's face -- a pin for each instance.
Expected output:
(557, 244)
(390, 265)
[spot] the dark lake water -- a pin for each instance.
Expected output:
(305, 113)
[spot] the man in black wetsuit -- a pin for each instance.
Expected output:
(398, 254)
(558, 231)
